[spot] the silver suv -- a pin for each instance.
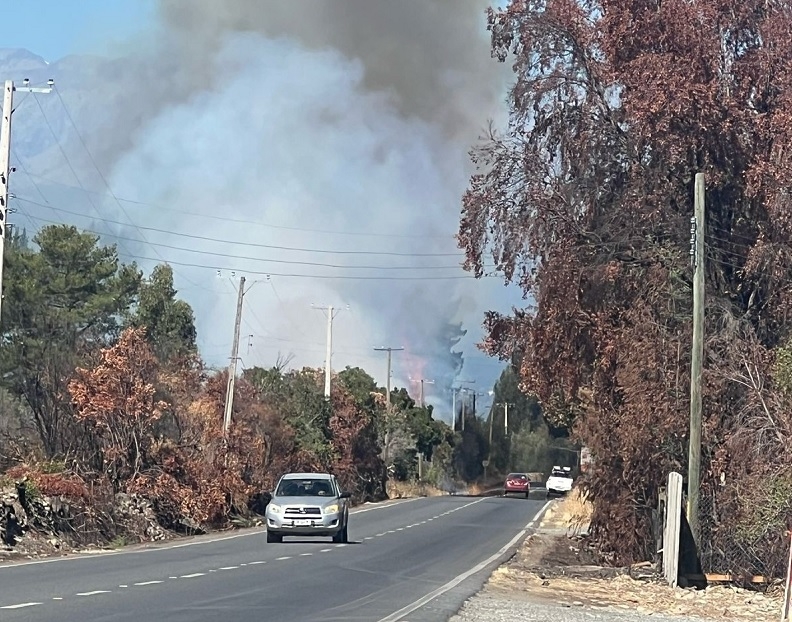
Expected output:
(308, 504)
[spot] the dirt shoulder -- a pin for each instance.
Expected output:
(554, 571)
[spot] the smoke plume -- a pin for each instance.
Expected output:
(339, 128)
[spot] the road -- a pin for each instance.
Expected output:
(415, 560)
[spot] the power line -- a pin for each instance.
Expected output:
(268, 225)
(265, 260)
(240, 243)
(101, 175)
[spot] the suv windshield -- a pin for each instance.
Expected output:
(305, 488)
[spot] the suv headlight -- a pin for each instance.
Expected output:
(331, 509)
(275, 509)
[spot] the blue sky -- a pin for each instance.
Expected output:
(55, 28)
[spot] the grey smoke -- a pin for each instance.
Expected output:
(433, 55)
(312, 123)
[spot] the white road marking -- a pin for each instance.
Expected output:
(193, 575)
(400, 529)
(398, 615)
(338, 546)
(379, 535)
(147, 583)
(325, 550)
(256, 563)
(368, 538)
(199, 542)
(229, 567)
(20, 606)
(385, 506)
(57, 598)
(123, 586)
(173, 577)
(243, 564)
(94, 593)
(305, 554)
(282, 558)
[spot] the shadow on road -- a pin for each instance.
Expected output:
(298, 540)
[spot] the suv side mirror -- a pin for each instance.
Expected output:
(345, 495)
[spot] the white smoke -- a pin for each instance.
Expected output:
(330, 130)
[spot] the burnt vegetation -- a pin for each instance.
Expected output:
(585, 201)
(111, 422)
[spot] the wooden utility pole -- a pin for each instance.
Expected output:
(229, 401)
(698, 230)
(5, 157)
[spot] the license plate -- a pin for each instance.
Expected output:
(302, 523)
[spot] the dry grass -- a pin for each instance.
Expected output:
(407, 490)
(572, 514)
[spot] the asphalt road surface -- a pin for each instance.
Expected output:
(413, 560)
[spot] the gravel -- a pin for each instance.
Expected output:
(489, 607)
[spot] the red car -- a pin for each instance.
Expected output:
(517, 482)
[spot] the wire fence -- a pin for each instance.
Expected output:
(728, 546)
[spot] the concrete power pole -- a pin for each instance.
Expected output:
(386, 440)
(505, 416)
(422, 402)
(229, 401)
(463, 390)
(698, 231)
(390, 352)
(331, 313)
(5, 158)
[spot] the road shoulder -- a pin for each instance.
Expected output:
(553, 578)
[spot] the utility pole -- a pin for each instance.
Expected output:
(5, 157)
(229, 401)
(390, 352)
(421, 400)
(464, 400)
(331, 313)
(386, 441)
(698, 230)
(505, 416)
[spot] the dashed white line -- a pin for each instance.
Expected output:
(325, 550)
(256, 563)
(229, 567)
(173, 577)
(147, 583)
(368, 538)
(399, 615)
(305, 554)
(282, 558)
(193, 575)
(57, 598)
(123, 586)
(94, 593)
(20, 606)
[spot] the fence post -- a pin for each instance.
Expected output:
(787, 596)
(672, 528)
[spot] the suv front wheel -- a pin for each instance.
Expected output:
(342, 537)
(274, 537)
